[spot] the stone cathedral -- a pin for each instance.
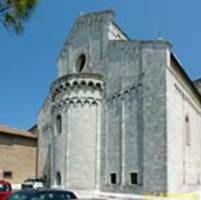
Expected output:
(122, 116)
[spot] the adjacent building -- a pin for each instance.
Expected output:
(122, 116)
(18, 153)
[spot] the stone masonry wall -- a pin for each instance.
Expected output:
(44, 140)
(89, 36)
(77, 99)
(136, 116)
(184, 140)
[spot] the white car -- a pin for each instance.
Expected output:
(32, 183)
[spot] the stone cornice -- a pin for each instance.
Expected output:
(80, 81)
(76, 101)
(120, 95)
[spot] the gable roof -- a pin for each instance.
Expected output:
(86, 18)
(186, 77)
(16, 132)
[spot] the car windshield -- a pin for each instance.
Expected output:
(5, 188)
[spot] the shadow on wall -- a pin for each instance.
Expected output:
(46, 170)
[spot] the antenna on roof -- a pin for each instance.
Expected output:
(159, 35)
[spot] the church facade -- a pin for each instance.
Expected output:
(122, 116)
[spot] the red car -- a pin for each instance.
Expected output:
(5, 189)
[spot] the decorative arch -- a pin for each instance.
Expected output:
(61, 87)
(67, 85)
(71, 103)
(87, 102)
(91, 84)
(126, 94)
(75, 84)
(57, 90)
(98, 86)
(79, 102)
(94, 103)
(83, 83)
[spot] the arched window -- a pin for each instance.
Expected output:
(58, 178)
(187, 131)
(80, 63)
(59, 124)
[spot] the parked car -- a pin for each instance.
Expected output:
(5, 189)
(32, 183)
(42, 195)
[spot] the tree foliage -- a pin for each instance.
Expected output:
(13, 13)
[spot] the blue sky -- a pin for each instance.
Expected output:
(28, 62)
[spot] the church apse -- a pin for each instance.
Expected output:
(77, 98)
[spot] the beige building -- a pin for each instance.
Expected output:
(18, 155)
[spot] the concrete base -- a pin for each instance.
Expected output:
(106, 195)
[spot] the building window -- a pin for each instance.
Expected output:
(133, 178)
(187, 131)
(7, 174)
(59, 124)
(113, 178)
(58, 178)
(80, 63)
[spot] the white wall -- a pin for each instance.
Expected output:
(184, 162)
